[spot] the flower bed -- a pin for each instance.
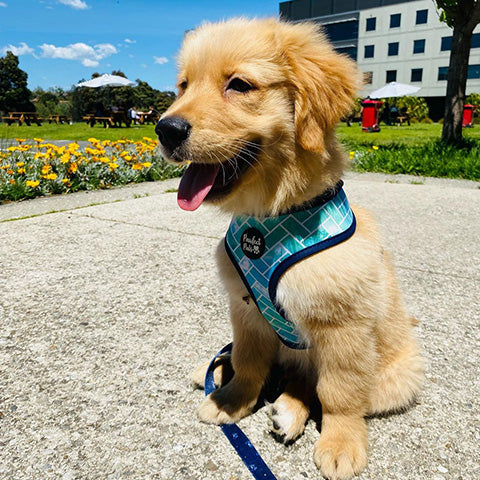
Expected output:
(29, 169)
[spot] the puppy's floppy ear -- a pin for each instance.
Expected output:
(324, 82)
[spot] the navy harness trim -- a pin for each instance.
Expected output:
(240, 442)
(296, 257)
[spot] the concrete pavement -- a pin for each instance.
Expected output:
(107, 304)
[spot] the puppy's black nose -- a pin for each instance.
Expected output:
(172, 132)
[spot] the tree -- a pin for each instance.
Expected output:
(14, 94)
(462, 16)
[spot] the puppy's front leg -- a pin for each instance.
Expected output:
(254, 348)
(347, 359)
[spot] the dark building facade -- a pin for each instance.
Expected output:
(339, 18)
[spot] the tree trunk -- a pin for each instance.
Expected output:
(456, 85)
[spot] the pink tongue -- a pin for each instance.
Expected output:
(195, 184)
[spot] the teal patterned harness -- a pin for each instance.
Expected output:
(262, 249)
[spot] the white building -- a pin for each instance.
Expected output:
(392, 40)
(407, 43)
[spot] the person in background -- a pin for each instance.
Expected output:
(133, 115)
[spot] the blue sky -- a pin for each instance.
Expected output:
(60, 42)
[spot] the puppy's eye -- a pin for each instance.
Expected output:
(239, 85)
(183, 85)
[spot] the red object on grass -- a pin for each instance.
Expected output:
(467, 120)
(370, 115)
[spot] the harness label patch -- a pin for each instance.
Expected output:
(252, 243)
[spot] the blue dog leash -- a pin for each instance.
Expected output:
(240, 442)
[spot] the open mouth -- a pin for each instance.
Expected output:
(213, 181)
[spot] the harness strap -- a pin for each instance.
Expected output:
(240, 442)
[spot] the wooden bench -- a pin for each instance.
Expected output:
(58, 119)
(92, 120)
(23, 117)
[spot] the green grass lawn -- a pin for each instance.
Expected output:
(415, 134)
(77, 131)
(414, 149)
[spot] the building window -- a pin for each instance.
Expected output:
(475, 40)
(422, 16)
(446, 44)
(416, 75)
(473, 71)
(392, 49)
(395, 20)
(368, 78)
(371, 24)
(442, 73)
(391, 76)
(369, 51)
(419, 46)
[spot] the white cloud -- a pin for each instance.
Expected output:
(22, 49)
(76, 4)
(2, 4)
(128, 40)
(160, 60)
(89, 56)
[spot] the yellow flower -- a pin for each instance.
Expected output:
(38, 140)
(46, 168)
(374, 147)
(127, 158)
(64, 180)
(51, 176)
(32, 183)
(351, 154)
(147, 164)
(65, 158)
(113, 165)
(21, 171)
(10, 171)
(72, 168)
(93, 140)
(20, 164)
(136, 166)
(20, 140)
(12, 181)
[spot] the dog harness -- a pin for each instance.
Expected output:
(262, 249)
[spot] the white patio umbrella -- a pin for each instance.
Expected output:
(394, 89)
(107, 80)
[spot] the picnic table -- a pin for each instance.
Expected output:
(58, 119)
(23, 117)
(114, 119)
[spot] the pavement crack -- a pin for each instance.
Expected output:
(436, 272)
(134, 224)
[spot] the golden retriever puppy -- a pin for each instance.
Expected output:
(255, 116)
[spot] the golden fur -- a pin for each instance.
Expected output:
(364, 358)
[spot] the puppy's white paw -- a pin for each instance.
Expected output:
(289, 417)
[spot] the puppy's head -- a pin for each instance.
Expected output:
(257, 103)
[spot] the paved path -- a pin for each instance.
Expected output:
(106, 308)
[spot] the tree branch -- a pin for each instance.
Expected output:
(474, 17)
